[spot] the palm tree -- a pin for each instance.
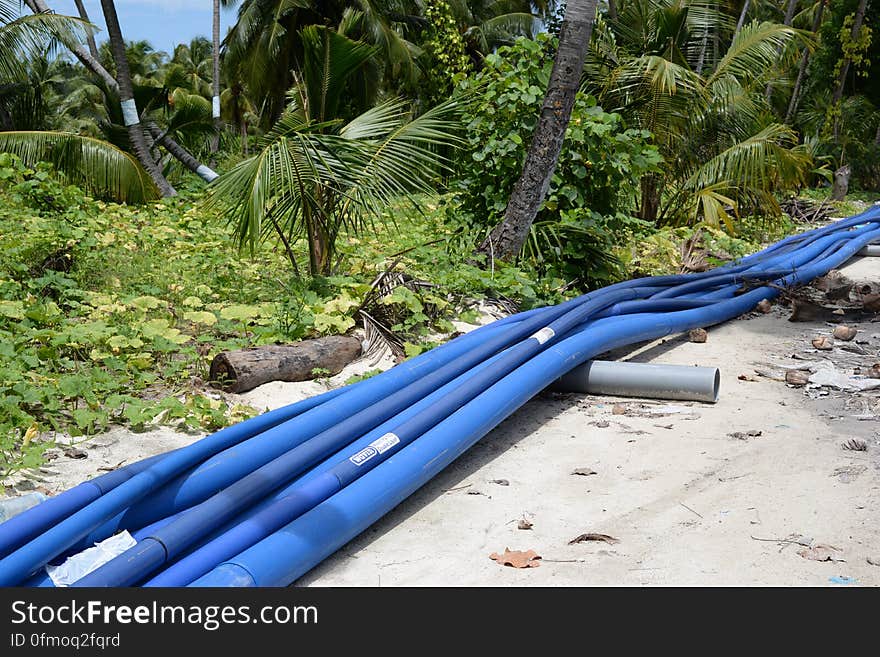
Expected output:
(487, 25)
(795, 97)
(24, 37)
(130, 113)
(845, 64)
(215, 76)
(190, 68)
(28, 104)
(264, 45)
(715, 129)
(90, 37)
(315, 175)
(186, 158)
(95, 164)
(507, 238)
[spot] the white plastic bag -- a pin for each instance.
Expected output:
(82, 563)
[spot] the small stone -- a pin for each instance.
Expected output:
(823, 343)
(845, 333)
(797, 377)
(698, 335)
(75, 453)
(524, 524)
(764, 306)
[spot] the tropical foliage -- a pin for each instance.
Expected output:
(706, 107)
(594, 188)
(367, 141)
(316, 175)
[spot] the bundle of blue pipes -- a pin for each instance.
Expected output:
(262, 502)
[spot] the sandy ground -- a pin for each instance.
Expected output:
(688, 503)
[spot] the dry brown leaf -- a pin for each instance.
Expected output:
(517, 559)
(698, 335)
(844, 332)
(584, 472)
(821, 552)
(583, 538)
(524, 524)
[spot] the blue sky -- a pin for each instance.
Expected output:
(164, 23)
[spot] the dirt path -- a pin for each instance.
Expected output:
(688, 502)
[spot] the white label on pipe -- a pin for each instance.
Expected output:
(206, 173)
(544, 334)
(378, 446)
(129, 112)
(385, 443)
(215, 107)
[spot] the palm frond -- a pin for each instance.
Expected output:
(91, 163)
(328, 60)
(25, 37)
(755, 50)
(754, 167)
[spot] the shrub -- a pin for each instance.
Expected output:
(595, 181)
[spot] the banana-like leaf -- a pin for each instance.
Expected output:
(91, 163)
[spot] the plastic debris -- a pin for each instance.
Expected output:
(82, 563)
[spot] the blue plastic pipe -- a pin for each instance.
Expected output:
(304, 542)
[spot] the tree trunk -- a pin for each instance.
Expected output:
(507, 238)
(742, 17)
(841, 183)
(240, 371)
(802, 71)
(5, 120)
(702, 58)
(90, 38)
(126, 97)
(612, 10)
(649, 207)
(215, 100)
(844, 69)
(238, 117)
(789, 17)
(91, 63)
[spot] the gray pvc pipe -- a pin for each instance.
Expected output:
(870, 250)
(602, 377)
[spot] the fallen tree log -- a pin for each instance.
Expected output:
(243, 370)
